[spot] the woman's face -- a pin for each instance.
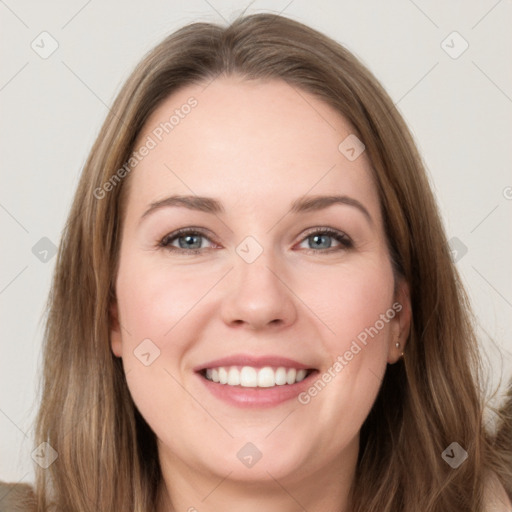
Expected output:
(269, 283)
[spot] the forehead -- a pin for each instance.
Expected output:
(260, 140)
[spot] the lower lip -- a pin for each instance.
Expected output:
(257, 397)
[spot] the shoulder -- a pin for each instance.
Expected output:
(16, 497)
(496, 498)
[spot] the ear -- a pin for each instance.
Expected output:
(115, 330)
(401, 323)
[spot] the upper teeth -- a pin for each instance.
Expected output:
(250, 377)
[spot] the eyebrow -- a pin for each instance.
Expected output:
(211, 205)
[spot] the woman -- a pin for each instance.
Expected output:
(254, 304)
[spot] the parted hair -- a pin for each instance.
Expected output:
(107, 455)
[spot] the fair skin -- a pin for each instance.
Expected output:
(255, 147)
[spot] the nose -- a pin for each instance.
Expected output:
(258, 296)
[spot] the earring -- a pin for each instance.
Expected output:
(397, 345)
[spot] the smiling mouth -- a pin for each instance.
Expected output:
(253, 377)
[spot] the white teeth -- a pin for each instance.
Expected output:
(290, 376)
(233, 377)
(301, 375)
(250, 377)
(280, 376)
(266, 378)
(223, 376)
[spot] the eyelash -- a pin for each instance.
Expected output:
(342, 238)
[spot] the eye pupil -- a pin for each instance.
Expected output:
(317, 240)
(189, 241)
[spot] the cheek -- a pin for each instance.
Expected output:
(357, 309)
(154, 307)
(163, 315)
(153, 300)
(352, 301)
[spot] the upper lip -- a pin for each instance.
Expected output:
(255, 361)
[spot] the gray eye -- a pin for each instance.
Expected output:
(190, 241)
(320, 241)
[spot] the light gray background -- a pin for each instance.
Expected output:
(459, 109)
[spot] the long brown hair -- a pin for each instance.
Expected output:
(502, 462)
(107, 456)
